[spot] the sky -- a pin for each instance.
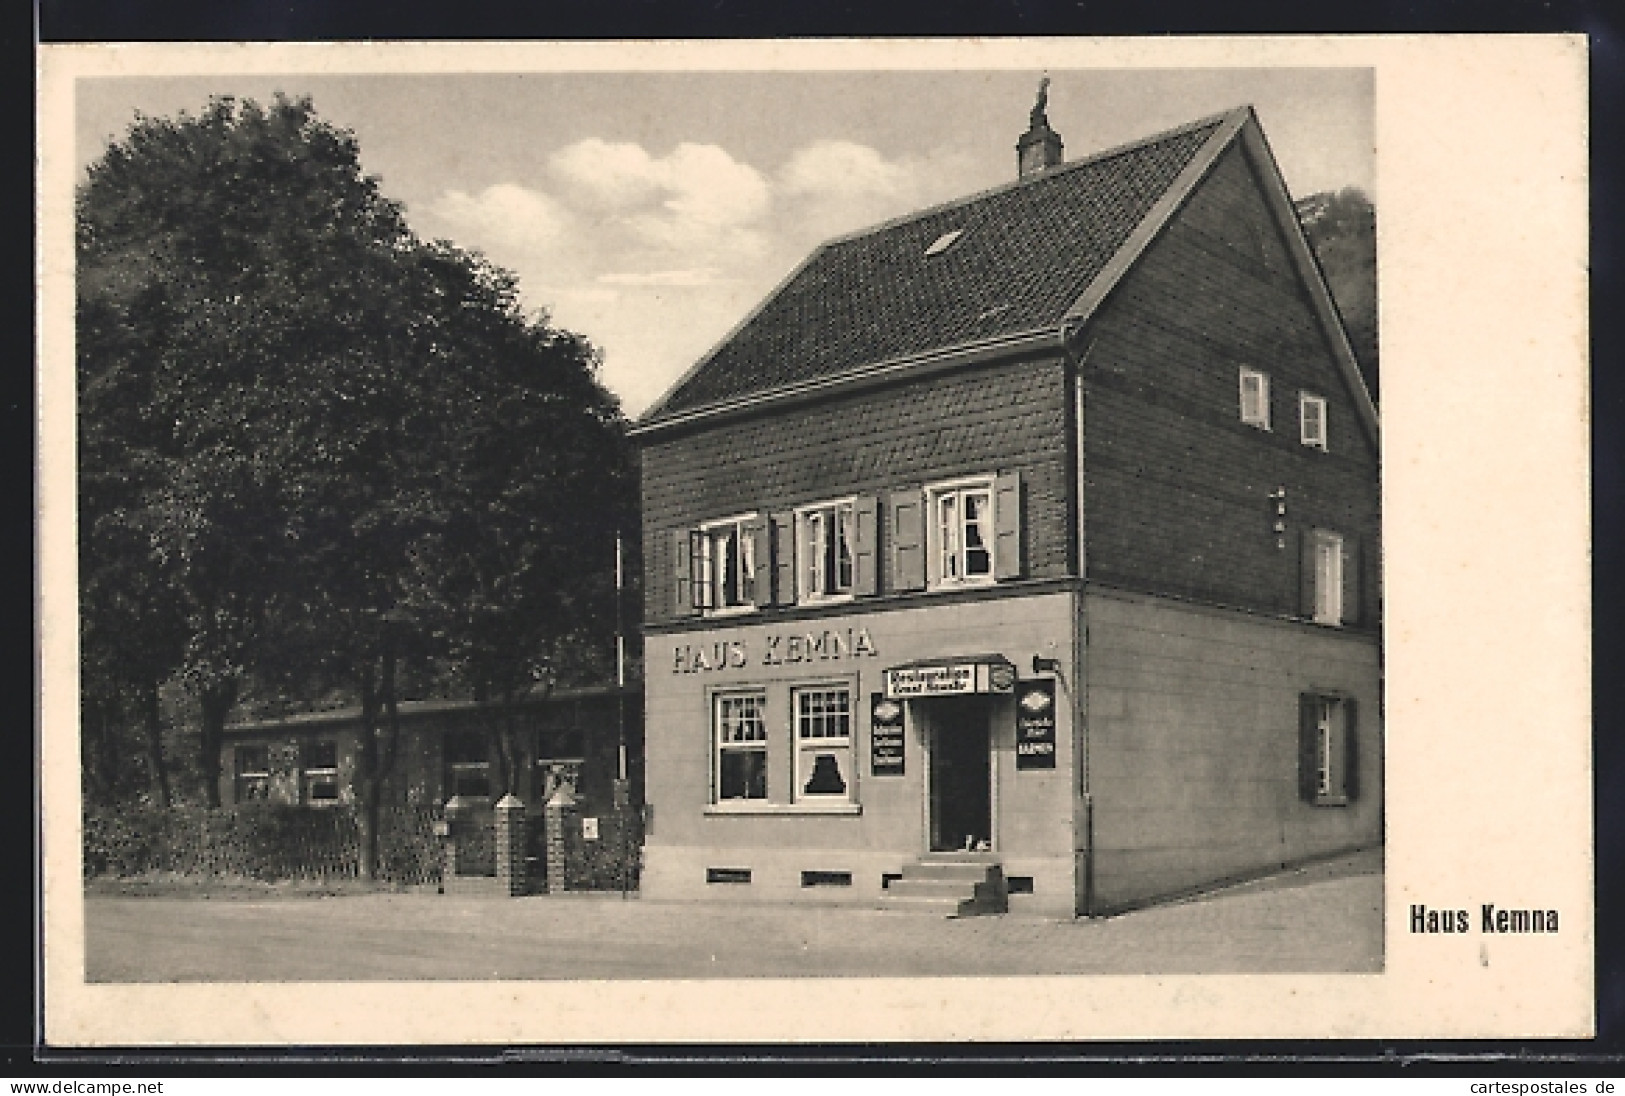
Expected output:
(651, 211)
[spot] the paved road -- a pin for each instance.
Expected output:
(1326, 918)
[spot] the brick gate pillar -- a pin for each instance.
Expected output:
(510, 845)
(558, 806)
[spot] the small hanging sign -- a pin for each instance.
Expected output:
(885, 735)
(1035, 724)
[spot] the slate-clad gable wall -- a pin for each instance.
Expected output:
(1176, 486)
(1008, 417)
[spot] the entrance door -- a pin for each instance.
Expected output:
(960, 777)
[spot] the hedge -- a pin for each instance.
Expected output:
(264, 841)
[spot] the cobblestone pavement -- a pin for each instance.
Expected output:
(1324, 918)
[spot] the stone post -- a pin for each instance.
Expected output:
(510, 842)
(455, 811)
(558, 807)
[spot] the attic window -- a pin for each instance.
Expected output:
(944, 242)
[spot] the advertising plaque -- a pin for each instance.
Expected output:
(885, 736)
(1035, 724)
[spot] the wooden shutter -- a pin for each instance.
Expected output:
(784, 559)
(1306, 574)
(682, 544)
(865, 542)
(755, 531)
(1007, 523)
(1351, 580)
(1351, 751)
(906, 514)
(1308, 752)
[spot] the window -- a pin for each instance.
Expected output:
(823, 743)
(1255, 398)
(253, 783)
(962, 534)
(824, 542)
(723, 564)
(468, 765)
(1328, 760)
(1328, 577)
(1312, 420)
(741, 746)
(321, 776)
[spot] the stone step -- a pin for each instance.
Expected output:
(958, 870)
(955, 888)
(932, 888)
(942, 906)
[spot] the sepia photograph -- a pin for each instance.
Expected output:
(845, 523)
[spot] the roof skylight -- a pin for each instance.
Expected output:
(944, 242)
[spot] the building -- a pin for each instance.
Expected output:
(445, 750)
(1037, 534)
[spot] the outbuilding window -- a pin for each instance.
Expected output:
(1328, 754)
(1255, 398)
(253, 777)
(321, 772)
(468, 765)
(823, 743)
(741, 746)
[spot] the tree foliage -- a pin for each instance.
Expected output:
(324, 448)
(1342, 228)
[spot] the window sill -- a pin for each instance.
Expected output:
(824, 599)
(940, 587)
(1332, 801)
(749, 807)
(730, 611)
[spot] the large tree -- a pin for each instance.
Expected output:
(515, 582)
(318, 402)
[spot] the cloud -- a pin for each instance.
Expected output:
(654, 257)
(833, 187)
(505, 217)
(843, 169)
(696, 197)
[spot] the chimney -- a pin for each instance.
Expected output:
(1040, 147)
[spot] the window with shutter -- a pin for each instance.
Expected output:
(963, 533)
(1351, 574)
(826, 551)
(1328, 756)
(1323, 573)
(784, 559)
(685, 601)
(906, 538)
(729, 561)
(1007, 555)
(865, 546)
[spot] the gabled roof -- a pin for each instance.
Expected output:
(1030, 260)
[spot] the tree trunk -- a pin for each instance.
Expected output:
(216, 702)
(376, 754)
(368, 779)
(152, 728)
(99, 750)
